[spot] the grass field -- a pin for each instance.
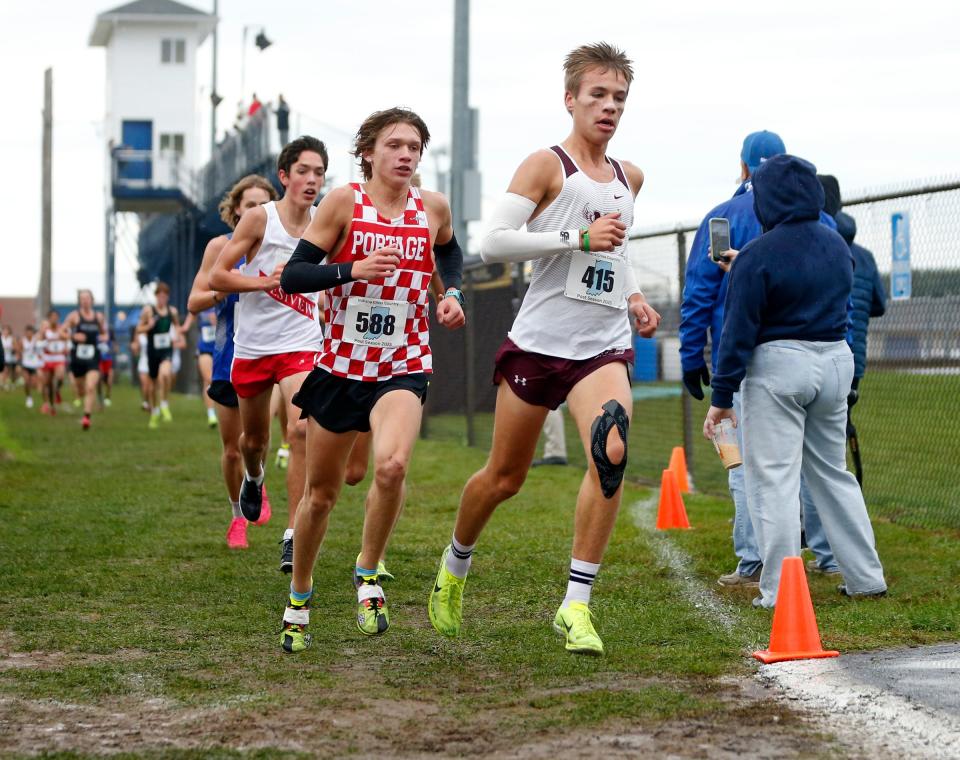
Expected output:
(127, 624)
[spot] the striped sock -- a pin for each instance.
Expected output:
(299, 600)
(459, 558)
(582, 575)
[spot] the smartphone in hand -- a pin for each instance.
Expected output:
(719, 238)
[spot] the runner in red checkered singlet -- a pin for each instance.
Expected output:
(371, 374)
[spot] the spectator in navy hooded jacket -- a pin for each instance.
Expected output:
(701, 315)
(783, 347)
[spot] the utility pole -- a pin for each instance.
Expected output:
(46, 226)
(214, 96)
(461, 144)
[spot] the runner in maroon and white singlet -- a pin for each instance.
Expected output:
(277, 333)
(372, 372)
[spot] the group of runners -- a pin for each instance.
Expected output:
(41, 358)
(354, 380)
(322, 313)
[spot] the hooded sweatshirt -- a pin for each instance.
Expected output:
(791, 283)
(869, 297)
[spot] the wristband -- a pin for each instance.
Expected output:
(586, 240)
(454, 293)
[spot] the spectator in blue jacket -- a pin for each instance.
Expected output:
(701, 314)
(783, 347)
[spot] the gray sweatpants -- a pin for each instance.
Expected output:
(794, 398)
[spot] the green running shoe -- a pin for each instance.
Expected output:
(446, 600)
(294, 637)
(166, 414)
(575, 624)
(154, 421)
(373, 618)
(382, 572)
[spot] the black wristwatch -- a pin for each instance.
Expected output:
(455, 293)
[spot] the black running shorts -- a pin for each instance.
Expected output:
(340, 405)
(155, 359)
(223, 393)
(80, 367)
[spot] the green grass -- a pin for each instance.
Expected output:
(119, 586)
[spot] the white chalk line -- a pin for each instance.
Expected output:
(864, 716)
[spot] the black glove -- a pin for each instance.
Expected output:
(692, 379)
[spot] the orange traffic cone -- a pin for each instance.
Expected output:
(678, 463)
(671, 513)
(794, 635)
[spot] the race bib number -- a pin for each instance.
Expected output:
(375, 323)
(86, 351)
(208, 333)
(596, 278)
(161, 341)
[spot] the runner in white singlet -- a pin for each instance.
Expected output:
(571, 340)
(31, 361)
(277, 333)
(54, 361)
(250, 192)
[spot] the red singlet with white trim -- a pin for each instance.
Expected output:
(379, 329)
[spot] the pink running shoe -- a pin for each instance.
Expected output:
(265, 512)
(237, 534)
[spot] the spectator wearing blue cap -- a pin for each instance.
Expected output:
(701, 314)
(784, 348)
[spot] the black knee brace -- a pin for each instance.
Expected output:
(611, 475)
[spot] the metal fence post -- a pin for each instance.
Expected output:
(686, 406)
(470, 390)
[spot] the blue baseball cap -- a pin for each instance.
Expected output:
(759, 146)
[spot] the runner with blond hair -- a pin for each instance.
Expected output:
(571, 340)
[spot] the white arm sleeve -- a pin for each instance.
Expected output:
(631, 286)
(505, 243)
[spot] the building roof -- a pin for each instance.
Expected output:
(163, 11)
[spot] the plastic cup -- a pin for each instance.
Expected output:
(725, 442)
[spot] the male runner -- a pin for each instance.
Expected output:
(86, 328)
(8, 377)
(250, 192)
(31, 360)
(54, 361)
(107, 348)
(277, 333)
(160, 325)
(206, 320)
(571, 339)
(372, 372)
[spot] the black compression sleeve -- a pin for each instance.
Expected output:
(450, 263)
(305, 273)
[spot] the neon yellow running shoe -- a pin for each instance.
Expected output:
(294, 637)
(575, 624)
(382, 572)
(154, 421)
(166, 414)
(373, 617)
(446, 600)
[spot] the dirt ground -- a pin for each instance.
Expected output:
(753, 724)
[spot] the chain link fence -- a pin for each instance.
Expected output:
(909, 397)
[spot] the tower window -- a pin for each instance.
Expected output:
(172, 142)
(173, 51)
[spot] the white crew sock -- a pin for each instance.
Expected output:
(164, 404)
(582, 575)
(258, 480)
(235, 506)
(459, 558)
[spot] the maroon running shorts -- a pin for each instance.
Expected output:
(544, 380)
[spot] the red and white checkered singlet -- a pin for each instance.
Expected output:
(362, 340)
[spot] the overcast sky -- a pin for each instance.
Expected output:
(868, 91)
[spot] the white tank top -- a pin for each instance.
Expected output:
(31, 355)
(550, 322)
(9, 356)
(275, 322)
(54, 347)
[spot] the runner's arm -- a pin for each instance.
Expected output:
(202, 296)
(447, 254)
(146, 322)
(244, 244)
